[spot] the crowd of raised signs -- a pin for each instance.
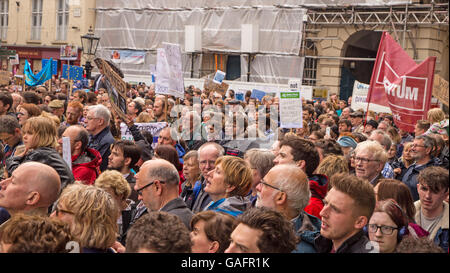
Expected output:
(215, 174)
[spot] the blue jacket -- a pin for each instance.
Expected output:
(410, 177)
(102, 143)
(181, 152)
(233, 205)
(307, 228)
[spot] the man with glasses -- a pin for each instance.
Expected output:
(32, 188)
(422, 152)
(370, 158)
(207, 156)
(285, 188)
(157, 187)
(10, 135)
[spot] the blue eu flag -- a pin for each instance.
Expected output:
(54, 66)
(75, 72)
(44, 75)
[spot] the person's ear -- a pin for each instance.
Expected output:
(301, 164)
(361, 222)
(33, 198)
(280, 198)
(127, 161)
(229, 189)
(78, 145)
(214, 247)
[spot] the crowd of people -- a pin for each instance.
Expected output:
(221, 176)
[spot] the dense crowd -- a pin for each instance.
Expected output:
(221, 176)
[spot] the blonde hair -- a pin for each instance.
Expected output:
(331, 165)
(95, 215)
(51, 117)
(114, 180)
(237, 173)
(435, 115)
(143, 117)
(44, 132)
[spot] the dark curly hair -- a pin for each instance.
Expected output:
(277, 232)
(35, 234)
(160, 232)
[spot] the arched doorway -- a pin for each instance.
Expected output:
(361, 44)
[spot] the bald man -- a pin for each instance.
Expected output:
(285, 188)
(32, 188)
(157, 187)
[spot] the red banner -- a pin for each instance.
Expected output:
(399, 83)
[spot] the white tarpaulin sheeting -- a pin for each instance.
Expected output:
(190, 4)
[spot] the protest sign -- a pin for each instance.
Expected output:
(5, 76)
(116, 87)
(68, 53)
(154, 128)
(257, 94)
(440, 89)
(320, 93)
(401, 84)
(169, 73)
(210, 86)
(218, 78)
(291, 113)
(67, 154)
(359, 99)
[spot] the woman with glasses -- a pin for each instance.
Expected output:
(387, 226)
(92, 215)
(26, 111)
(40, 142)
(229, 184)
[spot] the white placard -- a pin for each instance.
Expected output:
(67, 154)
(154, 128)
(359, 99)
(169, 80)
(291, 113)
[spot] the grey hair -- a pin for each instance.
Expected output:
(374, 148)
(428, 141)
(260, 160)
(386, 141)
(191, 154)
(100, 111)
(297, 190)
(219, 148)
(164, 172)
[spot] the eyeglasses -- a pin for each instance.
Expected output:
(416, 145)
(385, 230)
(364, 160)
(268, 185)
(139, 191)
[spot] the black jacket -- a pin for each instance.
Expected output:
(178, 207)
(358, 243)
(48, 156)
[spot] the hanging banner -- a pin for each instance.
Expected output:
(128, 57)
(399, 83)
(291, 112)
(359, 99)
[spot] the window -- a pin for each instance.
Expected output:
(62, 20)
(310, 67)
(4, 4)
(36, 20)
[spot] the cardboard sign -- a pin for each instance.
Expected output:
(210, 86)
(5, 76)
(320, 92)
(116, 87)
(440, 89)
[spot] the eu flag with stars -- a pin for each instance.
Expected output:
(54, 66)
(76, 72)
